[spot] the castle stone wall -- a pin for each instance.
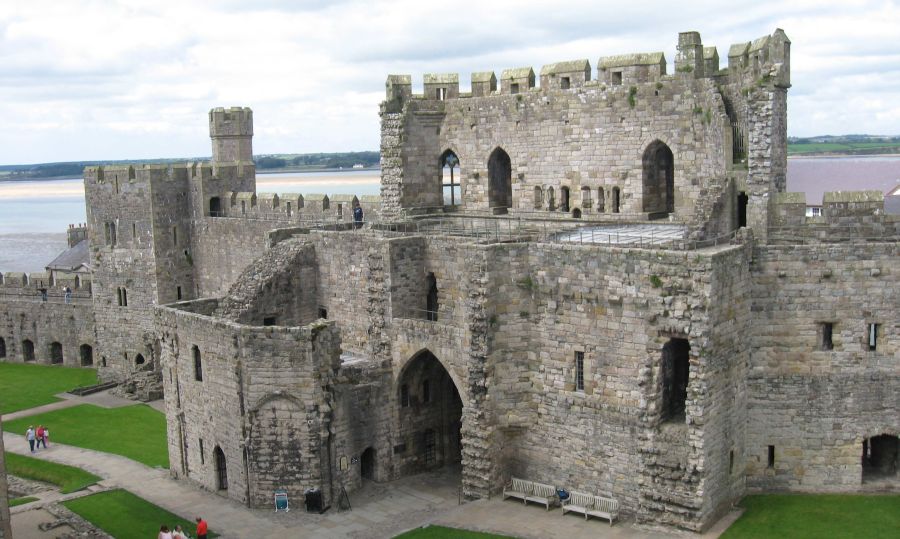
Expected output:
(27, 317)
(815, 405)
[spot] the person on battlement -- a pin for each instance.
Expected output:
(357, 216)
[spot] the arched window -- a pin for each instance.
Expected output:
(499, 179)
(27, 350)
(2, 347)
(601, 200)
(198, 364)
(56, 353)
(564, 199)
(87, 355)
(615, 199)
(450, 178)
(431, 302)
(551, 199)
(538, 197)
(658, 178)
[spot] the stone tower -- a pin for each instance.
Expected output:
(231, 131)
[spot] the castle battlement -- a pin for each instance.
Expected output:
(766, 58)
(846, 216)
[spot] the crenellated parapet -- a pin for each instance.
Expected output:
(846, 216)
(763, 60)
(296, 208)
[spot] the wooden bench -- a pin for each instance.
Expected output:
(530, 491)
(591, 506)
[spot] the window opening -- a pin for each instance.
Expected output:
(514, 88)
(87, 355)
(404, 396)
(198, 364)
(2, 347)
(675, 374)
(731, 461)
(340, 211)
(449, 179)
(564, 199)
(269, 321)
(565, 83)
(601, 200)
(134, 235)
(658, 177)
(178, 292)
(500, 179)
(538, 197)
(289, 209)
(873, 337)
(441, 94)
(202, 455)
(139, 359)
(431, 302)
(323, 313)
(827, 342)
(742, 209)
(616, 78)
(215, 207)
(243, 207)
(771, 459)
(880, 457)
(175, 236)
(615, 200)
(579, 371)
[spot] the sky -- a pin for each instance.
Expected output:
(134, 79)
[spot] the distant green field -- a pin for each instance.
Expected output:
(26, 386)
(844, 147)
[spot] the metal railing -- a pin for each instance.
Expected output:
(35, 296)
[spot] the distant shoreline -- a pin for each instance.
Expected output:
(265, 172)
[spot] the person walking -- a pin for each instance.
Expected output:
(39, 437)
(68, 293)
(43, 295)
(179, 533)
(29, 435)
(201, 528)
(164, 532)
(46, 437)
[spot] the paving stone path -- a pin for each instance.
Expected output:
(378, 509)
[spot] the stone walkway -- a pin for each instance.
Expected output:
(104, 399)
(378, 509)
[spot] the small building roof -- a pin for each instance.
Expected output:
(710, 52)
(342, 198)
(370, 198)
(853, 196)
(483, 76)
(570, 66)
(72, 258)
(441, 78)
(315, 196)
(738, 49)
(624, 60)
(517, 73)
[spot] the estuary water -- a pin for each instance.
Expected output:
(35, 214)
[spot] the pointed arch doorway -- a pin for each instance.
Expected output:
(430, 416)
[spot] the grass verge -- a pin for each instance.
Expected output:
(26, 386)
(440, 532)
(126, 516)
(810, 516)
(21, 501)
(67, 478)
(137, 432)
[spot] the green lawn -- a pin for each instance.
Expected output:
(126, 516)
(440, 532)
(67, 478)
(849, 147)
(137, 432)
(802, 516)
(21, 501)
(26, 386)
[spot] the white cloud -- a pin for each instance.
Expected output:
(118, 79)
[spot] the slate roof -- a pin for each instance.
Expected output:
(72, 258)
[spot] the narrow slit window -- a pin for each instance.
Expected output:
(202, 456)
(827, 330)
(731, 462)
(873, 337)
(771, 460)
(178, 292)
(579, 371)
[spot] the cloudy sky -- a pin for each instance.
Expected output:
(130, 79)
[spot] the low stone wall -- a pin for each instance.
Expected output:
(59, 333)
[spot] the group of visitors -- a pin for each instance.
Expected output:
(178, 533)
(37, 437)
(67, 294)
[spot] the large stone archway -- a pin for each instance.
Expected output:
(429, 417)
